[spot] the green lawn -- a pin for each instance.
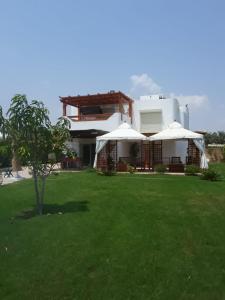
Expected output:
(122, 237)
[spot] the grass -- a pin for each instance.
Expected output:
(121, 237)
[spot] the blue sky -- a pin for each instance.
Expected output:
(58, 48)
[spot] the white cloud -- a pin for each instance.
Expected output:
(195, 102)
(143, 85)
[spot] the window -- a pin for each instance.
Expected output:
(151, 121)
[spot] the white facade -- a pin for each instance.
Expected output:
(160, 112)
(150, 114)
(106, 125)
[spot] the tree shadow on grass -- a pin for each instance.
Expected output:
(55, 209)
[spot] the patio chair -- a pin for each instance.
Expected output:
(8, 172)
(176, 160)
(176, 165)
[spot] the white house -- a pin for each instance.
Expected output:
(94, 115)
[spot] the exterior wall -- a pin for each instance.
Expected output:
(76, 144)
(184, 116)
(107, 125)
(123, 149)
(169, 108)
(168, 150)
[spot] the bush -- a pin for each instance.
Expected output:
(90, 170)
(130, 169)
(192, 170)
(109, 173)
(110, 164)
(211, 175)
(160, 169)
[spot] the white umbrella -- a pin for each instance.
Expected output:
(123, 133)
(175, 131)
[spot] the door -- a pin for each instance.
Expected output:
(88, 154)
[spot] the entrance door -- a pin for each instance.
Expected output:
(88, 154)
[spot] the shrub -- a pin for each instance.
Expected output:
(130, 169)
(192, 170)
(90, 170)
(134, 149)
(211, 175)
(109, 173)
(160, 169)
(110, 164)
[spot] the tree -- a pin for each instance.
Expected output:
(9, 127)
(37, 142)
(215, 137)
(5, 153)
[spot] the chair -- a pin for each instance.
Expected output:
(176, 165)
(8, 172)
(176, 160)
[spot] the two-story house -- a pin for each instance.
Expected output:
(95, 115)
(92, 116)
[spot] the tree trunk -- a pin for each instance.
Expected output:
(16, 165)
(36, 188)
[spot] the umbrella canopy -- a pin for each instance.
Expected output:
(175, 131)
(123, 132)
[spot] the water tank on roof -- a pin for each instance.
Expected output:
(152, 97)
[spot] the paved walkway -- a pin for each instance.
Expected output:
(24, 174)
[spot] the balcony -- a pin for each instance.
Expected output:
(106, 121)
(90, 117)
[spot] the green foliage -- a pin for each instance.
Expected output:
(134, 149)
(215, 137)
(90, 170)
(160, 169)
(2, 122)
(70, 153)
(109, 172)
(192, 170)
(34, 139)
(110, 164)
(5, 154)
(211, 175)
(130, 169)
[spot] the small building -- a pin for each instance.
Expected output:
(94, 115)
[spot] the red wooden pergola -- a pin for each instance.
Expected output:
(112, 97)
